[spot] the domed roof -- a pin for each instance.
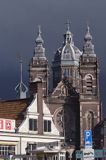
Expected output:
(68, 54)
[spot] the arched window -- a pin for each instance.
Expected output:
(89, 84)
(66, 72)
(89, 120)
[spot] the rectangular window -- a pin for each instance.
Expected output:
(30, 147)
(7, 150)
(62, 156)
(33, 124)
(47, 126)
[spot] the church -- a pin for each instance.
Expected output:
(52, 123)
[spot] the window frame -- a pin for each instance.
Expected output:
(7, 149)
(33, 124)
(47, 125)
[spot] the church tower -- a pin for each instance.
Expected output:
(66, 84)
(38, 68)
(66, 61)
(90, 107)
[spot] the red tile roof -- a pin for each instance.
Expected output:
(13, 109)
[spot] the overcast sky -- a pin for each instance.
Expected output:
(18, 30)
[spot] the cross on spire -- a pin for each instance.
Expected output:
(88, 28)
(68, 36)
(68, 25)
(39, 29)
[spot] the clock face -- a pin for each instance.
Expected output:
(58, 119)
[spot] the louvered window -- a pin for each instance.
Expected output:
(89, 84)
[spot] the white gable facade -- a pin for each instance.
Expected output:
(25, 137)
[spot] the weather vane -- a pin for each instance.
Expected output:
(21, 88)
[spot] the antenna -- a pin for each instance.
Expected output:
(21, 88)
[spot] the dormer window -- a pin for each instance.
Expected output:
(47, 126)
(32, 124)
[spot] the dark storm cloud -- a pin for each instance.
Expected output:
(18, 30)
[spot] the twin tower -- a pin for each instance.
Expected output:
(74, 99)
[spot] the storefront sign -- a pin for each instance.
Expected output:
(7, 125)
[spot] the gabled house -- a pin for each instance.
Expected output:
(29, 132)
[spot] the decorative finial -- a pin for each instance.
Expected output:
(88, 46)
(39, 39)
(88, 36)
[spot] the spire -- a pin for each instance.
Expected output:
(88, 46)
(39, 39)
(39, 51)
(88, 36)
(21, 88)
(68, 37)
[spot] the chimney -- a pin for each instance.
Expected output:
(36, 87)
(40, 107)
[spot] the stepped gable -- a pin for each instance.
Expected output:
(13, 109)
